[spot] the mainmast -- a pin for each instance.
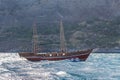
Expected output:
(35, 38)
(62, 38)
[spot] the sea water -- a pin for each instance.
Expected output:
(97, 67)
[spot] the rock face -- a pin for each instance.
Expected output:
(85, 21)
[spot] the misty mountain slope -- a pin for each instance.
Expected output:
(15, 11)
(87, 23)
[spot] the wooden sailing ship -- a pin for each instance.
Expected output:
(54, 56)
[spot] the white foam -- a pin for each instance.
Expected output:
(61, 73)
(15, 68)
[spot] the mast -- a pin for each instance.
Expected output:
(35, 38)
(62, 38)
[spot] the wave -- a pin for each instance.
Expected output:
(97, 67)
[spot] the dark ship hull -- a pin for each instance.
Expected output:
(54, 56)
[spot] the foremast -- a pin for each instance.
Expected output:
(35, 39)
(62, 38)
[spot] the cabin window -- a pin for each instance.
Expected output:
(57, 54)
(43, 55)
(50, 54)
(63, 54)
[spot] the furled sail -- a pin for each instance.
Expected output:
(62, 38)
(35, 38)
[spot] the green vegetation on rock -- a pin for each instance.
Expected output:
(94, 33)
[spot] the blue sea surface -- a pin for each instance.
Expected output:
(97, 67)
